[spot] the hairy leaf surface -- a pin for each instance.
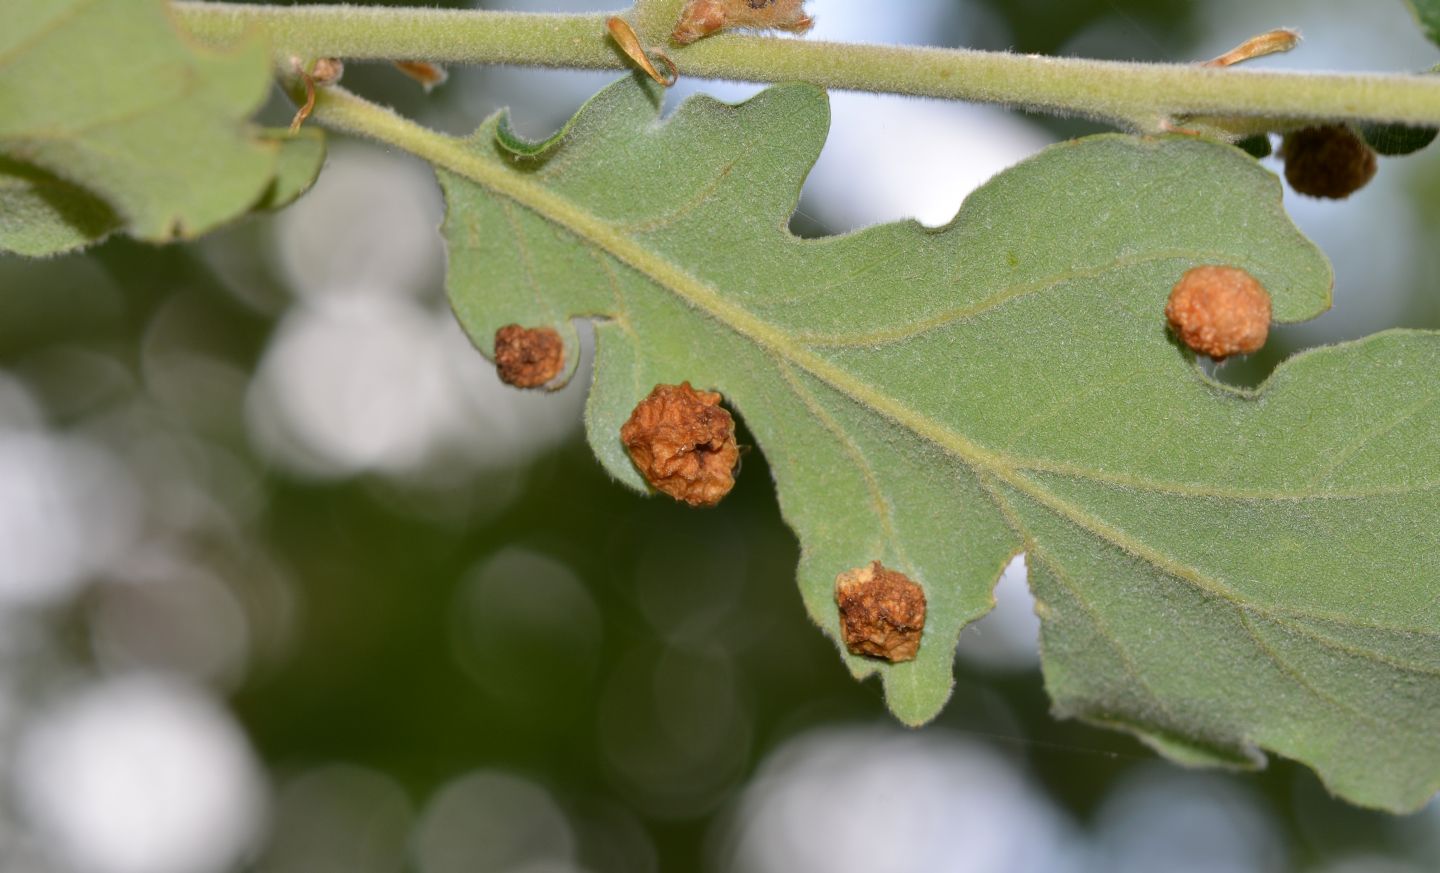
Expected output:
(1216, 571)
(108, 96)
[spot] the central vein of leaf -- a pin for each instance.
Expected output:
(343, 110)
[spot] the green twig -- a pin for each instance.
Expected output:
(1139, 96)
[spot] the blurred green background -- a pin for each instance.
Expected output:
(288, 582)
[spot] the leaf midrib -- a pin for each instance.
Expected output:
(460, 157)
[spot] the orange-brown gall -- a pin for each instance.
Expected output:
(528, 357)
(1331, 161)
(700, 18)
(1219, 311)
(882, 612)
(683, 442)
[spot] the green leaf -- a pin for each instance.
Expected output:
(42, 215)
(1217, 571)
(302, 154)
(108, 95)
(1427, 12)
(1397, 140)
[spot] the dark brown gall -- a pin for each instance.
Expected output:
(882, 612)
(528, 357)
(1331, 161)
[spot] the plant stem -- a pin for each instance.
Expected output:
(1141, 96)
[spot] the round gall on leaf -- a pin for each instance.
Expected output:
(683, 442)
(528, 357)
(882, 613)
(1331, 161)
(1219, 311)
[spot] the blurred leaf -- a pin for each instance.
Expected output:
(42, 215)
(1217, 570)
(1048, 26)
(1428, 14)
(302, 154)
(1394, 140)
(1257, 146)
(107, 95)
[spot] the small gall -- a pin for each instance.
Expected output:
(528, 357)
(1219, 311)
(700, 18)
(1331, 161)
(683, 442)
(882, 612)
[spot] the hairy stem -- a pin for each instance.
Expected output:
(1142, 96)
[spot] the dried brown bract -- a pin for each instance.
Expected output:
(882, 613)
(1271, 42)
(424, 72)
(528, 357)
(701, 18)
(327, 71)
(1219, 311)
(1330, 161)
(683, 442)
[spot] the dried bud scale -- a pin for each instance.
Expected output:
(1330, 161)
(700, 18)
(683, 442)
(327, 71)
(882, 612)
(427, 74)
(528, 357)
(1219, 311)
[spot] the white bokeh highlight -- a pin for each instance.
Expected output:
(889, 159)
(369, 226)
(68, 509)
(368, 372)
(1007, 637)
(1163, 818)
(880, 800)
(355, 385)
(139, 775)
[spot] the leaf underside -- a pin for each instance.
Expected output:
(126, 124)
(1216, 571)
